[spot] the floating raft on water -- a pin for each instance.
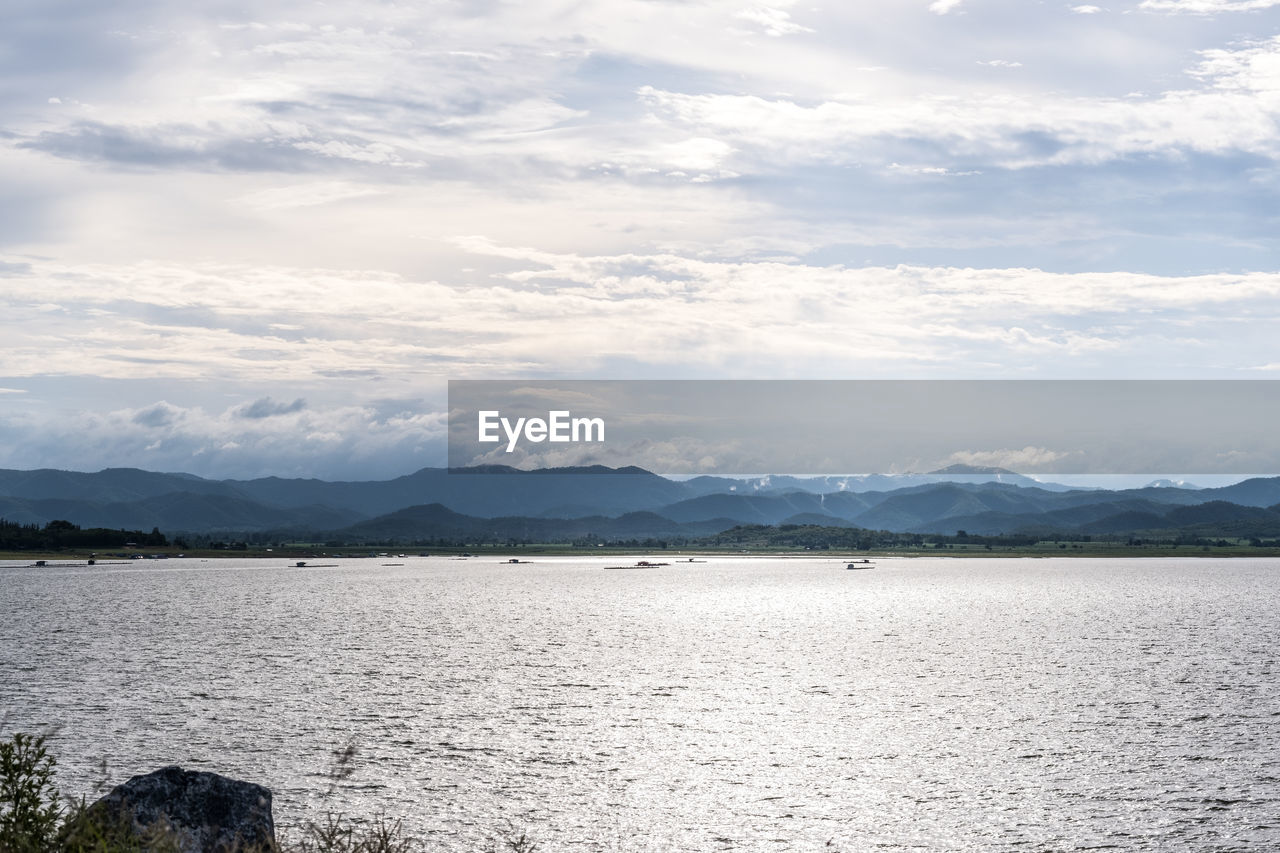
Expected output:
(643, 564)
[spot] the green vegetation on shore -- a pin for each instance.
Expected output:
(64, 540)
(288, 552)
(60, 534)
(810, 538)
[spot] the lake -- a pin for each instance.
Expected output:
(738, 704)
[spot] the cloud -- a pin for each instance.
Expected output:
(352, 442)
(598, 133)
(302, 90)
(928, 170)
(1025, 459)
(160, 415)
(1233, 110)
(175, 146)
(308, 194)
(1207, 7)
(1086, 10)
(265, 407)
(314, 96)
(772, 21)
(576, 315)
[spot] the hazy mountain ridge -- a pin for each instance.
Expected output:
(176, 512)
(438, 522)
(110, 485)
(127, 497)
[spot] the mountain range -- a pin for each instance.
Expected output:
(568, 503)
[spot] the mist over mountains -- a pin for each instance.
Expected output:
(570, 503)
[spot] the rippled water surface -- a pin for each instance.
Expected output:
(737, 704)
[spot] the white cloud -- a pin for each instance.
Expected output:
(1086, 10)
(1234, 110)
(564, 313)
(699, 154)
(771, 20)
(355, 442)
(447, 94)
(938, 171)
(1207, 7)
(1252, 69)
(308, 194)
(1024, 459)
(376, 153)
(331, 119)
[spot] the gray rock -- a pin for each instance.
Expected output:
(196, 812)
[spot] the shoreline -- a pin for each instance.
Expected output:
(503, 554)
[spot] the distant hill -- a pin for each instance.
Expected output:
(1259, 491)
(1133, 517)
(1171, 484)
(766, 509)
(815, 520)
(612, 498)
(1070, 518)
(438, 522)
(177, 512)
(111, 485)
(488, 491)
(129, 496)
(916, 508)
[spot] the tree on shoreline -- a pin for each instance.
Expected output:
(60, 534)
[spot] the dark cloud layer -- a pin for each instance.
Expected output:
(266, 407)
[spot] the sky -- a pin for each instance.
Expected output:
(259, 239)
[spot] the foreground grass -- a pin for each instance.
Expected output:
(34, 818)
